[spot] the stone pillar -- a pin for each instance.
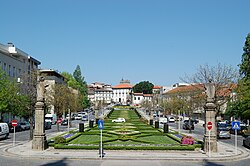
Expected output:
(210, 112)
(39, 140)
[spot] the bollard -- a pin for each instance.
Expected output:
(101, 151)
(96, 120)
(81, 127)
(165, 128)
(157, 124)
(151, 122)
(91, 123)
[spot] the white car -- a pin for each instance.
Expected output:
(119, 120)
(171, 119)
(78, 117)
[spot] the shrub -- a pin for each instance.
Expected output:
(60, 140)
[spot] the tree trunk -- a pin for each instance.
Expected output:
(57, 126)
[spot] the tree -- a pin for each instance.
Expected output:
(245, 61)
(144, 87)
(11, 99)
(244, 83)
(223, 76)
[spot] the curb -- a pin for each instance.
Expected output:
(141, 155)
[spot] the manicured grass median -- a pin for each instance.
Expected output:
(134, 134)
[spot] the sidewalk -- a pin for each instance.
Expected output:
(225, 152)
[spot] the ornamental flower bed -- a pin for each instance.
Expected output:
(68, 135)
(187, 140)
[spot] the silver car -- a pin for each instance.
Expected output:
(223, 133)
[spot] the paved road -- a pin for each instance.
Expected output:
(198, 132)
(24, 136)
(8, 161)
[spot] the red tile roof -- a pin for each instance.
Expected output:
(187, 88)
(157, 87)
(123, 86)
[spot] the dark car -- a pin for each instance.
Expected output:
(246, 142)
(47, 125)
(64, 122)
(17, 128)
(188, 125)
(25, 125)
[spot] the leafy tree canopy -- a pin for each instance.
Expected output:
(76, 81)
(144, 87)
(245, 61)
(244, 83)
(11, 100)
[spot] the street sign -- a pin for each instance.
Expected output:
(100, 124)
(236, 125)
(209, 125)
(14, 123)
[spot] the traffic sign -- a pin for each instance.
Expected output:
(14, 123)
(209, 125)
(236, 125)
(100, 124)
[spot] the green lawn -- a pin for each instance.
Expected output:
(133, 133)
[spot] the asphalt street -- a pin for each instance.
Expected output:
(23, 136)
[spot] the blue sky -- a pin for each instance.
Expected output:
(155, 40)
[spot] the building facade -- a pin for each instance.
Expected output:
(51, 78)
(16, 63)
(19, 66)
(122, 93)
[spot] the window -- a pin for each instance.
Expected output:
(9, 70)
(14, 71)
(4, 67)
(138, 98)
(134, 98)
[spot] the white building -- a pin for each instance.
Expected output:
(19, 66)
(122, 93)
(138, 98)
(105, 95)
(15, 62)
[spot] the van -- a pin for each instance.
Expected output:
(50, 118)
(4, 130)
(163, 120)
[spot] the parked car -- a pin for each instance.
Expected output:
(171, 119)
(64, 122)
(85, 118)
(188, 125)
(47, 125)
(25, 125)
(78, 117)
(17, 128)
(223, 125)
(223, 132)
(246, 141)
(163, 120)
(4, 130)
(119, 120)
